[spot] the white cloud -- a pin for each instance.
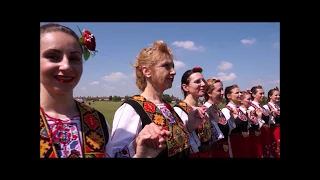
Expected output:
(188, 45)
(276, 45)
(94, 83)
(133, 74)
(224, 65)
(115, 76)
(248, 41)
(178, 64)
(109, 87)
(261, 83)
(226, 77)
(273, 82)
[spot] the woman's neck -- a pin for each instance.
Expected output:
(232, 102)
(272, 101)
(151, 94)
(191, 100)
(244, 106)
(257, 101)
(211, 101)
(58, 106)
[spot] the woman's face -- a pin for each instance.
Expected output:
(235, 95)
(196, 86)
(60, 62)
(163, 73)
(217, 93)
(275, 97)
(246, 100)
(259, 95)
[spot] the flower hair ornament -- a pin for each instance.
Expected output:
(197, 69)
(276, 88)
(88, 42)
(235, 85)
(249, 91)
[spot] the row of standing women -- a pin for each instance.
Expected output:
(146, 125)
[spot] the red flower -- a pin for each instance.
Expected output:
(197, 68)
(89, 40)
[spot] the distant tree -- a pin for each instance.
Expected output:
(167, 98)
(264, 101)
(116, 98)
(110, 98)
(223, 101)
(127, 98)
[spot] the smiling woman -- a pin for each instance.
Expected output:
(69, 129)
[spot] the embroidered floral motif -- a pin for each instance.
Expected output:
(167, 113)
(95, 140)
(91, 121)
(44, 147)
(138, 98)
(204, 129)
(178, 140)
(264, 112)
(241, 115)
(158, 119)
(148, 107)
(63, 139)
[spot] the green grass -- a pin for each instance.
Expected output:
(108, 108)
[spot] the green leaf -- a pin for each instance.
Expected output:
(80, 31)
(81, 41)
(86, 53)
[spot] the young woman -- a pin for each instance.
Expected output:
(238, 122)
(257, 95)
(254, 117)
(219, 125)
(69, 129)
(273, 108)
(193, 87)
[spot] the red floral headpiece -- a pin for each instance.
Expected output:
(88, 42)
(249, 91)
(197, 68)
(276, 88)
(235, 85)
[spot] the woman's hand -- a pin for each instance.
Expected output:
(195, 117)
(235, 113)
(259, 113)
(150, 141)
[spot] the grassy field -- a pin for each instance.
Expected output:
(108, 108)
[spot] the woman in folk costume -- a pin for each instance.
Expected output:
(254, 126)
(273, 108)
(193, 87)
(257, 95)
(68, 128)
(154, 74)
(219, 124)
(238, 123)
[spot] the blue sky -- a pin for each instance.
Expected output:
(246, 54)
